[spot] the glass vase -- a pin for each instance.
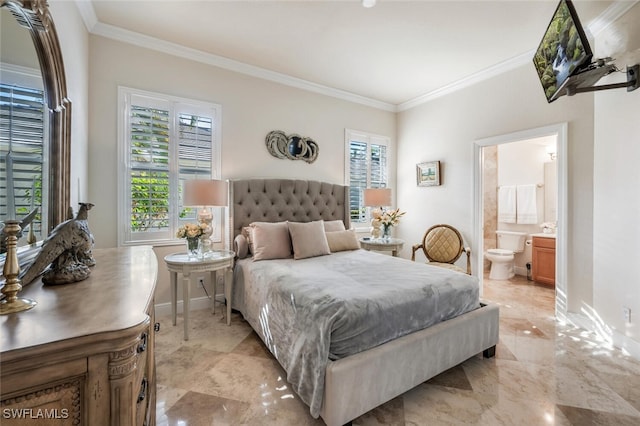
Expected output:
(386, 232)
(193, 247)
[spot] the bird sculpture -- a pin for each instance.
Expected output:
(67, 252)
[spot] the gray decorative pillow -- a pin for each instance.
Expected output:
(270, 240)
(342, 240)
(308, 239)
(247, 232)
(241, 246)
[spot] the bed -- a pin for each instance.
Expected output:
(353, 329)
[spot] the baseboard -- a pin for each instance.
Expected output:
(194, 305)
(520, 270)
(616, 338)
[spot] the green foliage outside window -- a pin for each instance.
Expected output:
(149, 201)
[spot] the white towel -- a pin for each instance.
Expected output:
(526, 204)
(507, 204)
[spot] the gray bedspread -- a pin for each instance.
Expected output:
(328, 307)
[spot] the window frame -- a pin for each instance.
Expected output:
(370, 139)
(31, 79)
(175, 106)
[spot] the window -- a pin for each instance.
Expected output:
(164, 141)
(23, 154)
(367, 167)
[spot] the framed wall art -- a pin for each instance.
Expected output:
(428, 173)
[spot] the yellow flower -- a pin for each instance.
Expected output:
(190, 230)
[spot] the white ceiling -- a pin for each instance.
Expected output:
(390, 56)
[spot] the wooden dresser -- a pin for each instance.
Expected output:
(544, 260)
(85, 354)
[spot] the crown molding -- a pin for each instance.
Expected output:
(470, 80)
(85, 7)
(131, 37)
(88, 13)
(609, 16)
(597, 25)
(19, 69)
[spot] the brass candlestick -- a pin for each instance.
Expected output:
(31, 236)
(12, 286)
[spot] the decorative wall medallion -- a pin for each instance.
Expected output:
(293, 146)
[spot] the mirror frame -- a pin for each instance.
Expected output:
(34, 15)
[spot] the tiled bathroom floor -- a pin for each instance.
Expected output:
(544, 373)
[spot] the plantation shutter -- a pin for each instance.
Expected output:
(195, 159)
(378, 156)
(22, 153)
(149, 168)
(358, 172)
(368, 168)
(166, 141)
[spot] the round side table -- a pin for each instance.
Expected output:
(215, 261)
(394, 245)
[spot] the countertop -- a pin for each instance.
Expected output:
(543, 235)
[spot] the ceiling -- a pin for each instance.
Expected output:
(391, 55)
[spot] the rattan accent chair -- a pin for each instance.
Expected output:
(443, 245)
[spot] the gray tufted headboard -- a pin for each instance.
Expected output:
(276, 200)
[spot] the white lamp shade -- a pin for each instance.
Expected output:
(377, 197)
(205, 192)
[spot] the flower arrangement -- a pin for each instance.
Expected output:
(548, 227)
(191, 230)
(391, 217)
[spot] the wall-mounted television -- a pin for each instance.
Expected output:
(564, 51)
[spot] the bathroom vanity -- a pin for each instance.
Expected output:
(544, 259)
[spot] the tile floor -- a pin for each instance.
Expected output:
(544, 373)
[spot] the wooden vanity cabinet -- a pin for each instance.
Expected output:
(544, 260)
(84, 355)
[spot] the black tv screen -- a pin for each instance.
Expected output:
(563, 51)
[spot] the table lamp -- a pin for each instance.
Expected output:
(378, 198)
(205, 193)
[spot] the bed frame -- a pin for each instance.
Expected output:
(361, 382)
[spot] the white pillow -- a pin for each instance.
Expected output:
(342, 240)
(333, 225)
(270, 240)
(308, 239)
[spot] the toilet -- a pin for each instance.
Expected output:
(501, 258)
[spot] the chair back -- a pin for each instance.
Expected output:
(443, 244)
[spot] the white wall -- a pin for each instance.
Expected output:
(74, 43)
(445, 129)
(603, 174)
(250, 109)
(522, 163)
(616, 231)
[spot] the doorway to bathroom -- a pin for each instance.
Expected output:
(533, 159)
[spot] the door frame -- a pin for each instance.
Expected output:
(560, 131)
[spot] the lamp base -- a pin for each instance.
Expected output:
(205, 217)
(376, 232)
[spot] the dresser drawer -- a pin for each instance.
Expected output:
(57, 392)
